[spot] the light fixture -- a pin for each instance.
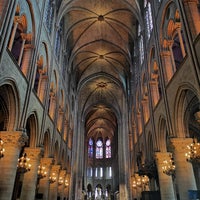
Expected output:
(134, 184)
(145, 180)
(169, 166)
(41, 172)
(23, 165)
(60, 181)
(2, 150)
(52, 178)
(193, 154)
(66, 183)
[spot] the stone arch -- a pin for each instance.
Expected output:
(150, 147)
(21, 37)
(41, 72)
(32, 129)
(9, 106)
(186, 99)
(47, 143)
(162, 134)
(172, 40)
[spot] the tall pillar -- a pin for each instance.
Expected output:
(53, 190)
(13, 141)
(192, 14)
(25, 62)
(30, 177)
(42, 87)
(44, 182)
(166, 183)
(154, 91)
(66, 187)
(168, 66)
(184, 171)
(17, 20)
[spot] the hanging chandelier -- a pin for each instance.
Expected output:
(2, 150)
(141, 181)
(23, 164)
(169, 166)
(193, 154)
(60, 181)
(52, 178)
(66, 183)
(41, 172)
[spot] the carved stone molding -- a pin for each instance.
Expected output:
(46, 161)
(180, 144)
(34, 153)
(14, 138)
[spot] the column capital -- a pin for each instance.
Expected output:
(14, 138)
(190, 1)
(55, 168)
(29, 46)
(180, 144)
(18, 19)
(34, 153)
(46, 161)
(153, 82)
(63, 173)
(27, 36)
(161, 156)
(165, 52)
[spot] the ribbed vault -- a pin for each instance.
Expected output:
(99, 40)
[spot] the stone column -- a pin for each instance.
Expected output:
(27, 53)
(13, 141)
(181, 39)
(145, 109)
(52, 105)
(166, 183)
(184, 171)
(53, 190)
(192, 13)
(30, 177)
(168, 65)
(44, 182)
(154, 91)
(17, 20)
(61, 185)
(42, 87)
(66, 187)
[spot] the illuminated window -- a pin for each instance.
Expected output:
(148, 18)
(89, 172)
(141, 46)
(90, 148)
(49, 15)
(108, 148)
(99, 149)
(96, 172)
(101, 172)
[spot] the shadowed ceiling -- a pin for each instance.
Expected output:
(100, 38)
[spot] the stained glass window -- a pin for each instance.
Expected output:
(49, 15)
(108, 148)
(99, 149)
(90, 148)
(148, 18)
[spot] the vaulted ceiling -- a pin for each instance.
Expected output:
(100, 39)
